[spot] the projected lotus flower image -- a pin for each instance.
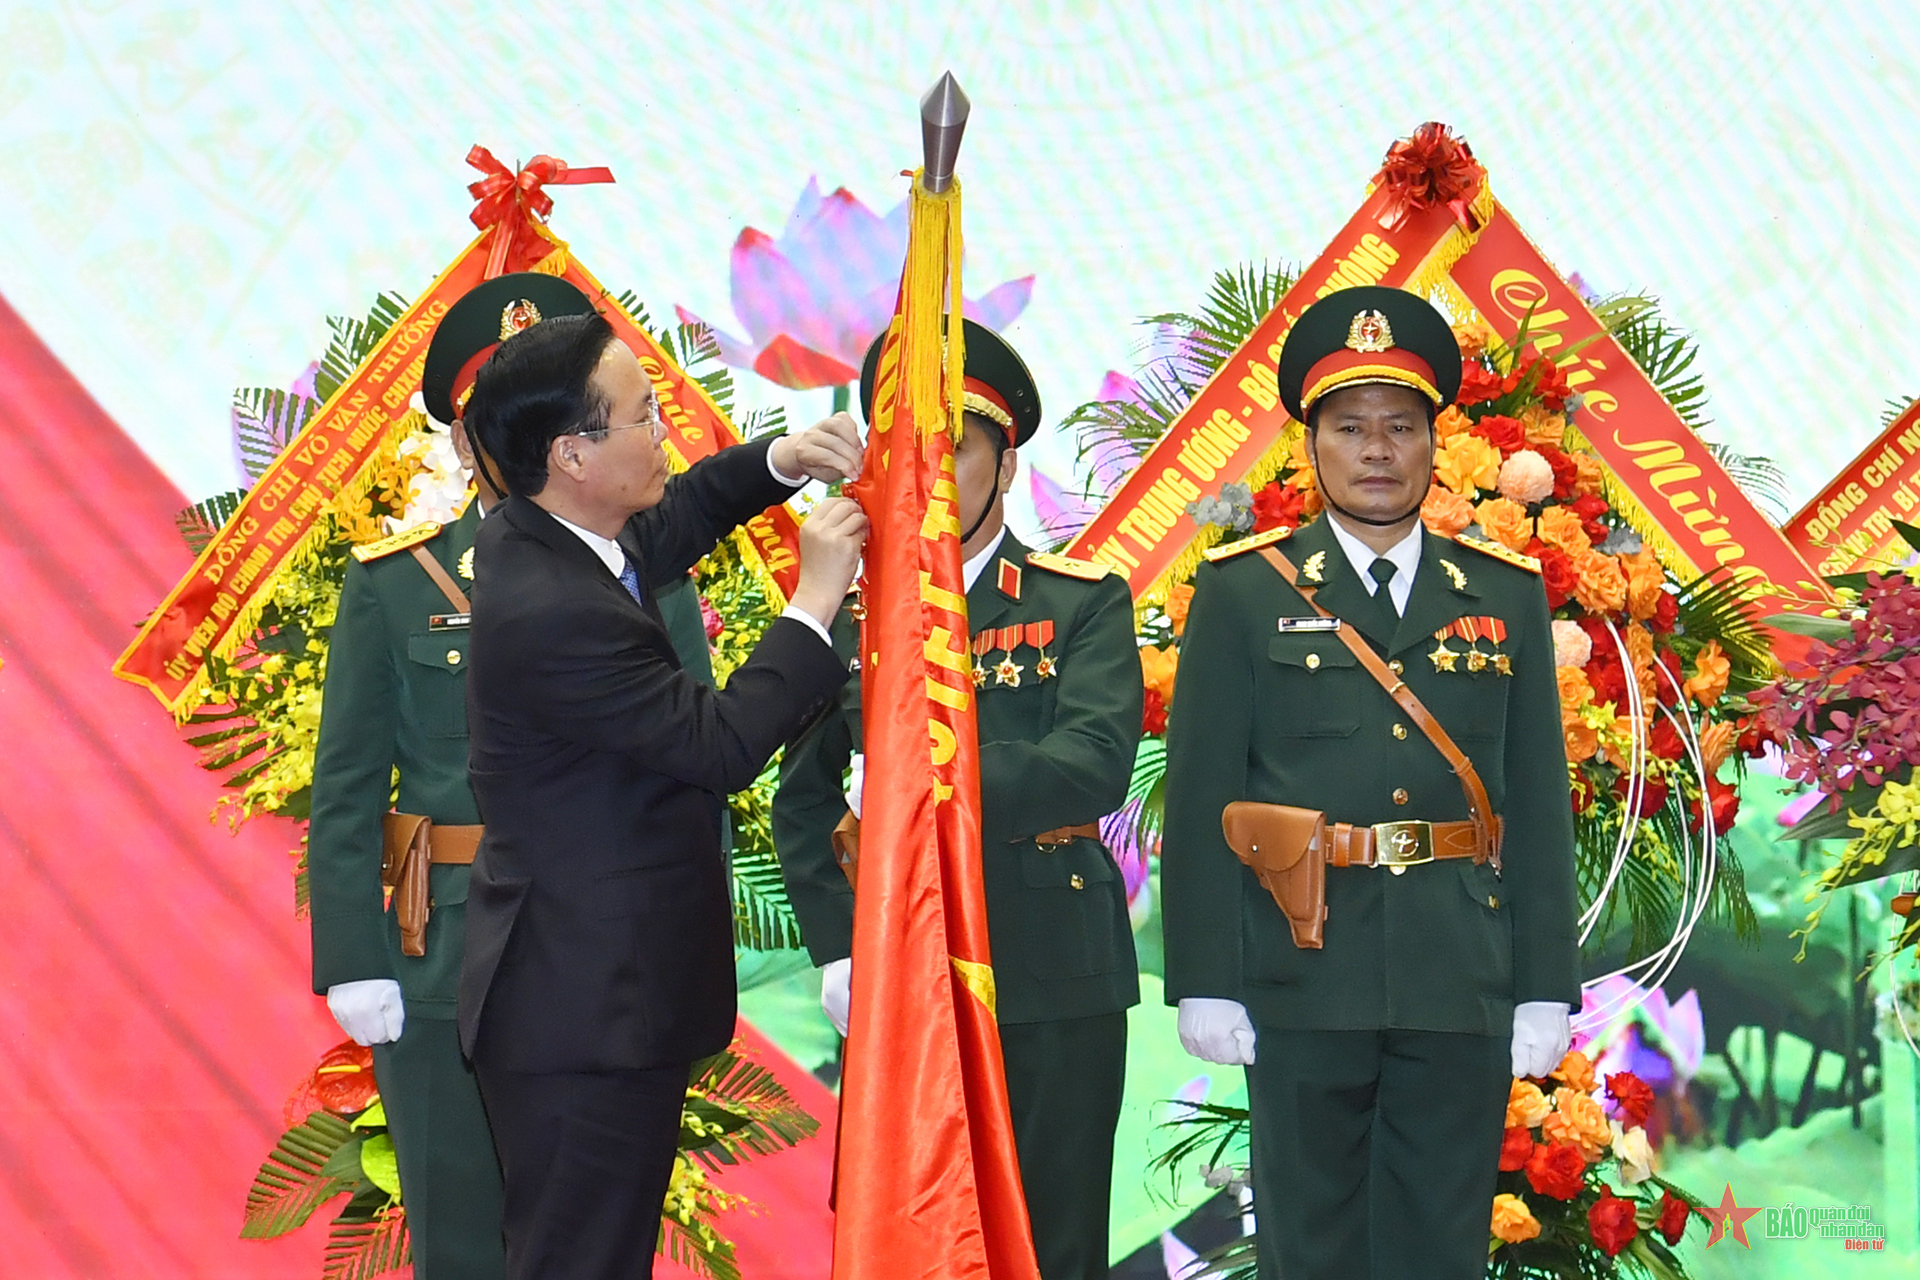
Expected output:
(816, 297)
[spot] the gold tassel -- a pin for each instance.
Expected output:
(931, 280)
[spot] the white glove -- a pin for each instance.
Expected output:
(857, 784)
(1542, 1032)
(1216, 1031)
(836, 991)
(368, 1010)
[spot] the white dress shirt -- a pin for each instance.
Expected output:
(1405, 555)
(971, 567)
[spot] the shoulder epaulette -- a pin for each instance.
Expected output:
(398, 542)
(1085, 570)
(1257, 541)
(1499, 551)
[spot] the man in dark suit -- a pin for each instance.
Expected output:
(1058, 674)
(599, 963)
(1377, 1064)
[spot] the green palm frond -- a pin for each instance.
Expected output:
(297, 1177)
(763, 918)
(761, 1117)
(1894, 408)
(353, 341)
(1239, 299)
(366, 1248)
(1665, 354)
(710, 1255)
(1760, 478)
(1712, 606)
(198, 523)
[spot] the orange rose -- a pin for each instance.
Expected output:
(1466, 465)
(1709, 678)
(1473, 337)
(1578, 1121)
(1575, 692)
(1445, 512)
(1582, 740)
(1179, 600)
(1513, 1222)
(1589, 476)
(1544, 427)
(1506, 522)
(1560, 527)
(1716, 744)
(1600, 587)
(1576, 1072)
(1450, 423)
(1526, 1105)
(1646, 583)
(1302, 464)
(1157, 669)
(1312, 507)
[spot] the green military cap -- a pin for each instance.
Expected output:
(486, 316)
(998, 385)
(1372, 334)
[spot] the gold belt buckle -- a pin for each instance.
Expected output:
(1399, 845)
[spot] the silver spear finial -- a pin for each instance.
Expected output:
(943, 118)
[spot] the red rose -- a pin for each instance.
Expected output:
(1632, 1096)
(1153, 714)
(1611, 1223)
(1558, 575)
(1723, 802)
(1477, 383)
(1552, 385)
(1653, 795)
(1277, 505)
(1557, 1170)
(1672, 1222)
(1590, 507)
(1504, 434)
(1665, 613)
(1516, 1149)
(1670, 690)
(1753, 739)
(1665, 741)
(1608, 678)
(1565, 471)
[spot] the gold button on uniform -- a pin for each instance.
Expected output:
(1399, 795)
(1313, 662)
(1077, 881)
(1400, 731)
(1397, 667)
(453, 657)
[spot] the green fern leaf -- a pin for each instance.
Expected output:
(713, 1258)
(353, 341)
(362, 1250)
(297, 1177)
(201, 521)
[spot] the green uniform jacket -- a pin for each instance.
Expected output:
(1054, 752)
(395, 697)
(1294, 719)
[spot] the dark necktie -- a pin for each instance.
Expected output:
(1382, 571)
(630, 578)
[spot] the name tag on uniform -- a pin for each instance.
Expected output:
(1289, 626)
(448, 621)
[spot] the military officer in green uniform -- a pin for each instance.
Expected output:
(1059, 703)
(1378, 1062)
(395, 699)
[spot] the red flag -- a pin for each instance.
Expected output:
(928, 1183)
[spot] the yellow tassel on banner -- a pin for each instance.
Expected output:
(931, 283)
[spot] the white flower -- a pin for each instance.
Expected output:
(1526, 477)
(1572, 646)
(1635, 1154)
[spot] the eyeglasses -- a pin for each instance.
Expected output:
(653, 422)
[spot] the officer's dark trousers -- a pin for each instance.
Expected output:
(588, 1157)
(1064, 1084)
(1375, 1152)
(449, 1178)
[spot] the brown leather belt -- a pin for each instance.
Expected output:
(413, 841)
(846, 841)
(1051, 840)
(1402, 844)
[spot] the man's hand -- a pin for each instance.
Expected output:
(368, 1010)
(830, 543)
(830, 450)
(857, 784)
(1541, 1033)
(1217, 1031)
(836, 992)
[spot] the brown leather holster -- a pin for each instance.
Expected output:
(1286, 848)
(846, 841)
(411, 844)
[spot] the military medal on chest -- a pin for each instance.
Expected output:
(1040, 635)
(1471, 657)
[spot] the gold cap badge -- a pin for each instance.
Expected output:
(1370, 332)
(522, 314)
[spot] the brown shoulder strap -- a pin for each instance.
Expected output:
(443, 580)
(1478, 809)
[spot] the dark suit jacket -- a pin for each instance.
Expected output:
(599, 922)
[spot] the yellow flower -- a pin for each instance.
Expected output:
(1513, 1222)
(1450, 423)
(1709, 678)
(1506, 522)
(1157, 669)
(1579, 1121)
(1526, 1105)
(1634, 1152)
(1544, 427)
(1576, 1072)
(1900, 802)
(1473, 337)
(1716, 744)
(1466, 465)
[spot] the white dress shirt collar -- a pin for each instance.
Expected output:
(970, 570)
(1405, 555)
(610, 552)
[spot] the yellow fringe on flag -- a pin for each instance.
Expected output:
(930, 284)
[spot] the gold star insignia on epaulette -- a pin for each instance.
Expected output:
(466, 564)
(1499, 551)
(1258, 540)
(1085, 570)
(398, 542)
(1315, 569)
(1008, 672)
(1454, 575)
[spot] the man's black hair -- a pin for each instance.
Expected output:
(534, 389)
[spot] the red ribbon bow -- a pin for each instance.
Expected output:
(1434, 166)
(512, 203)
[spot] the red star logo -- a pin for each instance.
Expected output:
(1729, 1218)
